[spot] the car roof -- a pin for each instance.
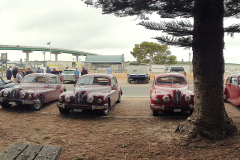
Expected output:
(42, 74)
(170, 74)
(98, 74)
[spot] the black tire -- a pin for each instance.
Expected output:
(104, 112)
(64, 111)
(6, 105)
(37, 107)
(191, 111)
(225, 99)
(155, 113)
(119, 99)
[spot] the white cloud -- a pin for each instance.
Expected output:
(72, 25)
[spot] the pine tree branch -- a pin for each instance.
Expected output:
(185, 42)
(175, 28)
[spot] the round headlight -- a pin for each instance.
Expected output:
(60, 99)
(22, 95)
(157, 100)
(166, 99)
(187, 98)
(0, 94)
(29, 96)
(67, 98)
(90, 99)
(5, 94)
(99, 100)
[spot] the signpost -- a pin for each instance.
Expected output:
(4, 64)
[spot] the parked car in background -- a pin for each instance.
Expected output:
(34, 90)
(92, 92)
(177, 69)
(68, 75)
(138, 73)
(169, 92)
(232, 89)
(6, 83)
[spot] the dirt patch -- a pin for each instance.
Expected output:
(129, 132)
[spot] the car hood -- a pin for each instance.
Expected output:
(92, 89)
(171, 88)
(32, 86)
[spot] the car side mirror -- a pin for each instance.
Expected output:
(151, 85)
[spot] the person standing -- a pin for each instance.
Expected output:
(9, 74)
(48, 70)
(84, 71)
(29, 71)
(18, 77)
(14, 73)
(38, 70)
(22, 72)
(109, 70)
(76, 73)
(55, 71)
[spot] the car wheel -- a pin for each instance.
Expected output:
(225, 98)
(155, 113)
(119, 99)
(6, 105)
(64, 111)
(104, 112)
(191, 111)
(38, 106)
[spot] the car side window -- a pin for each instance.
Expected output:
(238, 80)
(53, 80)
(58, 80)
(229, 80)
(113, 81)
(234, 81)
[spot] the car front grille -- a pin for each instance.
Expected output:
(177, 97)
(78, 97)
(14, 93)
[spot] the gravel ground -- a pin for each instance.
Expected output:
(128, 132)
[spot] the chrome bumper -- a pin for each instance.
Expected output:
(19, 101)
(93, 107)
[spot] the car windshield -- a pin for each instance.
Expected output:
(93, 81)
(171, 80)
(177, 69)
(68, 72)
(34, 79)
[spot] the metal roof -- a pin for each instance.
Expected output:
(105, 59)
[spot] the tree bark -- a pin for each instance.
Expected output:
(209, 118)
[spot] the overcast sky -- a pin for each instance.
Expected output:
(72, 25)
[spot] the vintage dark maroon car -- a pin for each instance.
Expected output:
(169, 92)
(34, 90)
(92, 92)
(232, 89)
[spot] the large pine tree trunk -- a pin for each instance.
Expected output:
(209, 118)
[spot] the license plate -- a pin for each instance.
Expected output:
(77, 110)
(177, 110)
(11, 102)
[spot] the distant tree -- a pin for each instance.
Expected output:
(149, 52)
(205, 36)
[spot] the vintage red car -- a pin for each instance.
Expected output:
(232, 89)
(92, 92)
(34, 90)
(170, 92)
